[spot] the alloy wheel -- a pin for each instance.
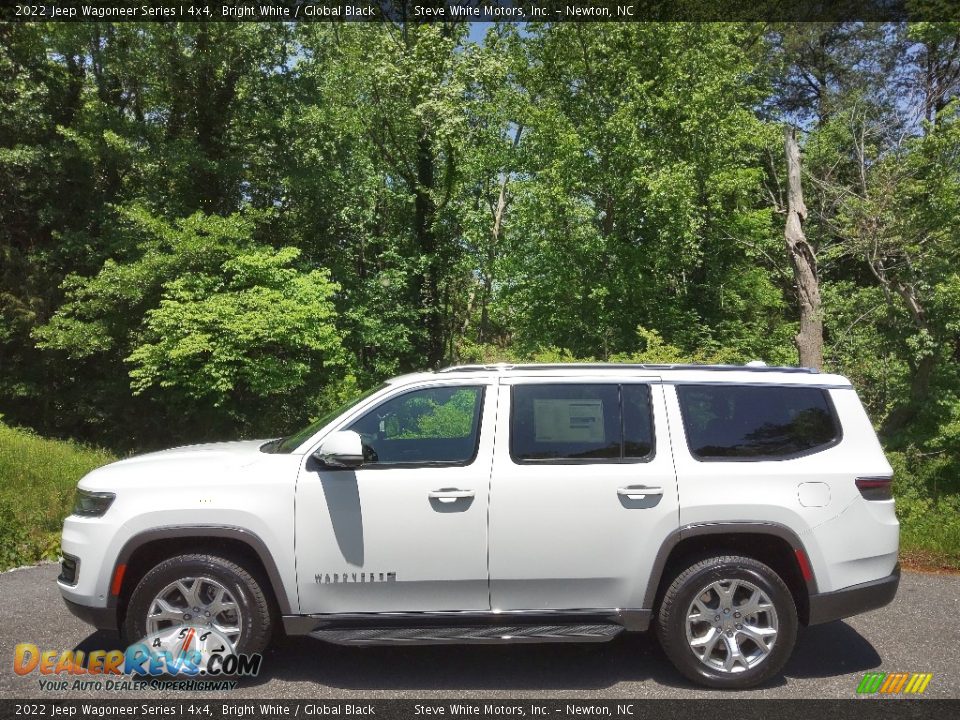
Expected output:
(196, 601)
(731, 625)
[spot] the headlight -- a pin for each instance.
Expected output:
(92, 504)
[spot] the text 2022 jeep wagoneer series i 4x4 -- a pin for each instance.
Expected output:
(722, 506)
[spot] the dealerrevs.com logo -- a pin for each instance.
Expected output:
(182, 657)
(894, 683)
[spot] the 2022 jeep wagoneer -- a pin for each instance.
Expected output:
(723, 506)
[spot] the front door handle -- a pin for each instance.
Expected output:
(449, 495)
(639, 492)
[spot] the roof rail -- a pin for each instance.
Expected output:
(477, 368)
(628, 366)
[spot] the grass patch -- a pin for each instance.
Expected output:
(930, 532)
(37, 482)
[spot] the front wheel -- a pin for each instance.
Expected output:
(205, 591)
(727, 622)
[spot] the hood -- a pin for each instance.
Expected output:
(221, 451)
(182, 465)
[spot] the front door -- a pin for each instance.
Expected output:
(407, 531)
(583, 493)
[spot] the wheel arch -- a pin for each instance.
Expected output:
(771, 543)
(146, 549)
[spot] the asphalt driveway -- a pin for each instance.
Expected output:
(919, 632)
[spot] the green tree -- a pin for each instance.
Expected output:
(219, 332)
(640, 201)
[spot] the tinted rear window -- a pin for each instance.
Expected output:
(730, 422)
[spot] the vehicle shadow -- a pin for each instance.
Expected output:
(822, 651)
(476, 667)
(100, 640)
(831, 649)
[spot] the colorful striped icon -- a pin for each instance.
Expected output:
(893, 683)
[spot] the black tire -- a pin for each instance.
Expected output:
(691, 583)
(257, 618)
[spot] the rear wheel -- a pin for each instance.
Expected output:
(727, 622)
(204, 591)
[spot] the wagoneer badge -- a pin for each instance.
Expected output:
(362, 577)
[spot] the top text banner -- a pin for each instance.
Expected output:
(400, 11)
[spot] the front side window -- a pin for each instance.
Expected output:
(580, 423)
(290, 443)
(744, 422)
(438, 425)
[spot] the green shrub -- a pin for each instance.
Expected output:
(37, 482)
(928, 507)
(930, 531)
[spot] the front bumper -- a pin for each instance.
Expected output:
(853, 600)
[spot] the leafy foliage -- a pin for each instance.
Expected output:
(429, 418)
(209, 322)
(215, 230)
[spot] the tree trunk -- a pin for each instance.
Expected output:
(491, 258)
(809, 340)
(424, 231)
(498, 214)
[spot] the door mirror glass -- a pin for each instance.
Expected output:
(341, 449)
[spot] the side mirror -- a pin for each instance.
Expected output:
(341, 449)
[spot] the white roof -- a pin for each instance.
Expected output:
(751, 374)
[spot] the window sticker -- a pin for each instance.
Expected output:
(568, 420)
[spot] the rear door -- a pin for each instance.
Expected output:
(583, 492)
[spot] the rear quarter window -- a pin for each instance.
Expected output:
(746, 422)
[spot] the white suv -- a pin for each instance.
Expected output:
(722, 505)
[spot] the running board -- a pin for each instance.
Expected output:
(460, 635)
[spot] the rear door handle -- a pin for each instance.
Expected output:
(639, 492)
(450, 495)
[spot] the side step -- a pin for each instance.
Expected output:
(491, 634)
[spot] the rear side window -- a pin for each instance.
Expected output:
(637, 421)
(581, 423)
(744, 422)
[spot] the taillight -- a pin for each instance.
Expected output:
(876, 488)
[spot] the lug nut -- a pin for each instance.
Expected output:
(739, 626)
(736, 614)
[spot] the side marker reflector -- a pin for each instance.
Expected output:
(804, 562)
(117, 580)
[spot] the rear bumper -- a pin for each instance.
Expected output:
(102, 618)
(854, 600)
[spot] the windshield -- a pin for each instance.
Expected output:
(292, 442)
